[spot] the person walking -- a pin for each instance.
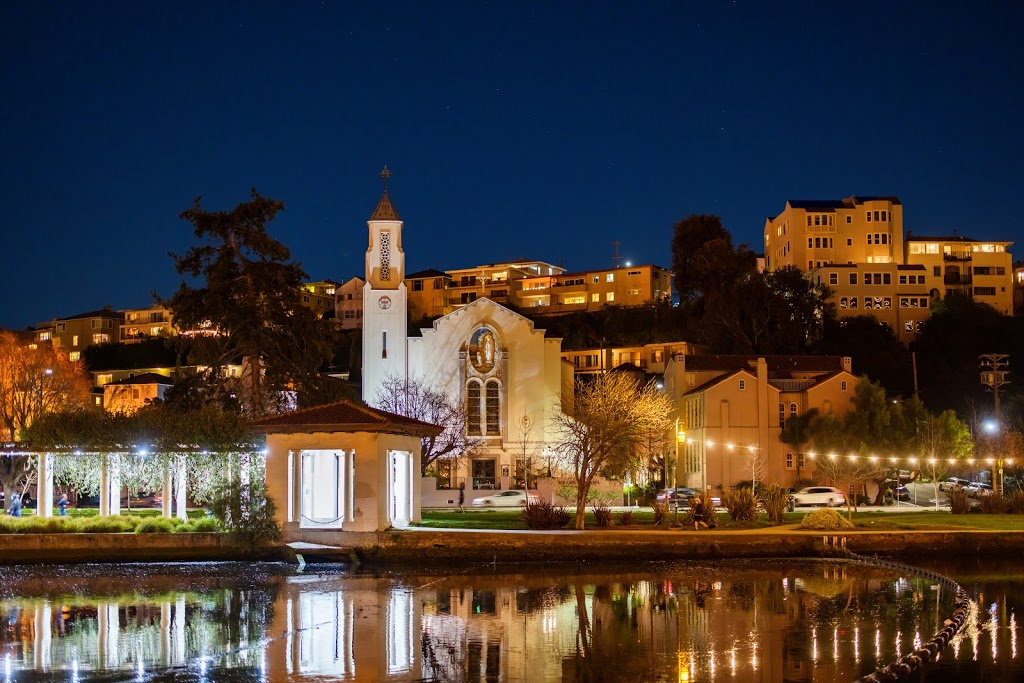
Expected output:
(698, 514)
(15, 509)
(462, 496)
(62, 505)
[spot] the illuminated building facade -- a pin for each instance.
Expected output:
(732, 410)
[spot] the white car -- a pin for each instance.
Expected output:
(819, 495)
(505, 499)
(952, 483)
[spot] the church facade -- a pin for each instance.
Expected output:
(507, 375)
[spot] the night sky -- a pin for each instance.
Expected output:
(541, 131)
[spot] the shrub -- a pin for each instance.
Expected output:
(775, 499)
(625, 518)
(109, 525)
(602, 515)
(710, 511)
(545, 515)
(247, 513)
(660, 512)
(741, 504)
(203, 524)
(992, 504)
(959, 503)
(1015, 502)
(156, 525)
(825, 519)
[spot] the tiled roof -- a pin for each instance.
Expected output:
(776, 364)
(343, 416)
(144, 378)
(817, 203)
(429, 272)
(102, 313)
(385, 210)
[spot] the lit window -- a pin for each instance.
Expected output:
(493, 407)
(610, 296)
(473, 426)
(595, 297)
(75, 356)
(610, 277)
(743, 384)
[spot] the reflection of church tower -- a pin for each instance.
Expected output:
(384, 298)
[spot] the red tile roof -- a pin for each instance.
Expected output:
(777, 365)
(343, 416)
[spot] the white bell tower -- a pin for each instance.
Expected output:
(385, 320)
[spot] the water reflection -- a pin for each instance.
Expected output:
(680, 622)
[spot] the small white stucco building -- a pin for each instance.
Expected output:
(342, 467)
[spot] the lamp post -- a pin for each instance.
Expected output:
(680, 437)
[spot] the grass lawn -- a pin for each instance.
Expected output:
(930, 521)
(195, 513)
(643, 518)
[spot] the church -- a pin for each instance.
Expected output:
(509, 377)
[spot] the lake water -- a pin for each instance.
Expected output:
(701, 621)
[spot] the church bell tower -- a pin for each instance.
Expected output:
(385, 322)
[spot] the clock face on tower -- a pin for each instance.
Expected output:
(384, 302)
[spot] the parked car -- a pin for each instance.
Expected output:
(680, 495)
(506, 499)
(818, 495)
(976, 489)
(952, 483)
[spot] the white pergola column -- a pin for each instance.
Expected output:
(165, 503)
(179, 489)
(104, 485)
(115, 487)
(44, 486)
(43, 636)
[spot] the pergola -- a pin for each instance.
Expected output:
(109, 463)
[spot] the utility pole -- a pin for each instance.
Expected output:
(994, 368)
(616, 244)
(993, 375)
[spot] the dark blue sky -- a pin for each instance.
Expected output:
(514, 130)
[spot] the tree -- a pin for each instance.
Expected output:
(942, 438)
(704, 262)
(796, 433)
(874, 349)
(611, 414)
(34, 379)
(249, 303)
(413, 398)
(779, 312)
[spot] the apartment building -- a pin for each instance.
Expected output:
(498, 282)
(132, 393)
(898, 295)
(75, 333)
(348, 304)
(1018, 289)
(731, 411)
(319, 296)
(982, 271)
(591, 290)
(651, 358)
(429, 294)
(809, 234)
(138, 324)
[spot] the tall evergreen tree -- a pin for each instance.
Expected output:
(249, 302)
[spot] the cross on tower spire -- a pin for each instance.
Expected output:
(385, 175)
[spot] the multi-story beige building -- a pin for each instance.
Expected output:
(498, 282)
(1018, 289)
(348, 304)
(982, 271)
(139, 324)
(132, 393)
(651, 358)
(429, 294)
(898, 295)
(731, 411)
(75, 333)
(809, 234)
(319, 296)
(592, 290)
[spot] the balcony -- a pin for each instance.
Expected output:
(956, 279)
(957, 256)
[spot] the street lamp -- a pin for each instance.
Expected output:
(680, 438)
